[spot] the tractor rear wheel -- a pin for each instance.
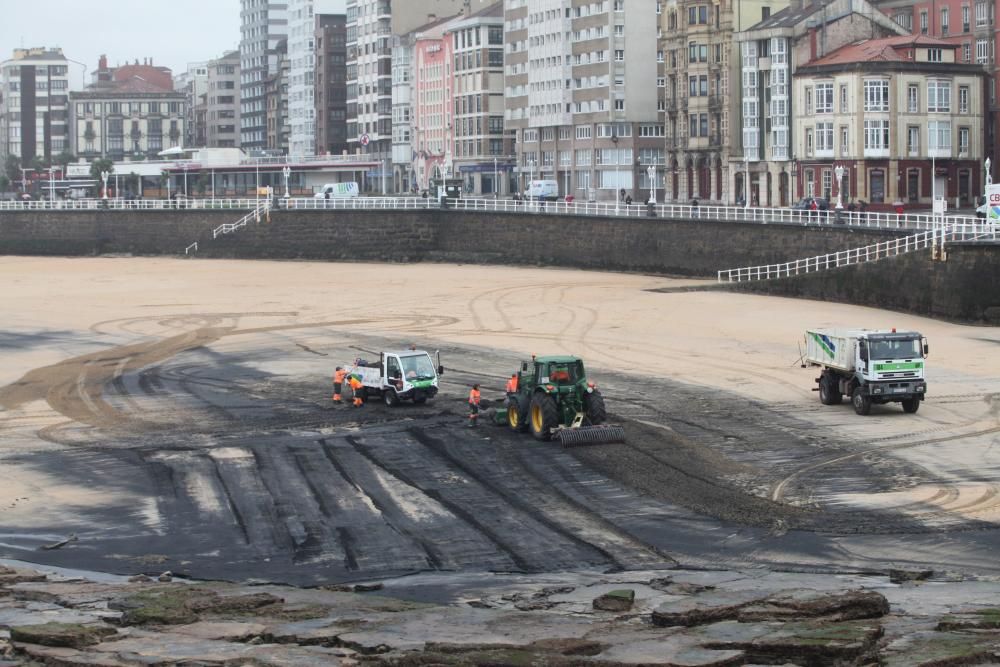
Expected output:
(517, 417)
(593, 405)
(544, 416)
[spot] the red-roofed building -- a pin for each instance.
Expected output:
(890, 111)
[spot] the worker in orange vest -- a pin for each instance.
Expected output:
(473, 405)
(512, 385)
(338, 384)
(359, 391)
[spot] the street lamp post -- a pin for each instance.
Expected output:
(746, 178)
(531, 177)
(839, 171)
(104, 178)
(618, 196)
(286, 171)
(651, 172)
(496, 180)
(52, 183)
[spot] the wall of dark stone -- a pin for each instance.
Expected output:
(965, 288)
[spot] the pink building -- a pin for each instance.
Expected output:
(432, 109)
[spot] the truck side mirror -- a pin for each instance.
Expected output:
(863, 350)
(926, 349)
(524, 366)
(440, 370)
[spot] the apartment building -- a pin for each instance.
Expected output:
(902, 115)
(371, 25)
(129, 113)
(403, 77)
(277, 127)
(580, 101)
(193, 82)
(763, 163)
(696, 46)
(222, 102)
(331, 84)
(432, 117)
(34, 84)
(971, 26)
(481, 155)
(263, 25)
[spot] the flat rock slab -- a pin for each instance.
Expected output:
(36, 613)
(66, 593)
(979, 619)
(807, 643)
(230, 631)
(901, 576)
(805, 604)
(669, 650)
(707, 608)
(940, 649)
(72, 635)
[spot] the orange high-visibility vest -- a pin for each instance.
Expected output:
(339, 376)
(355, 383)
(512, 385)
(474, 397)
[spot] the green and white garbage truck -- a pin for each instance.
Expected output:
(869, 366)
(400, 375)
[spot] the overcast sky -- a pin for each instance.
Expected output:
(171, 32)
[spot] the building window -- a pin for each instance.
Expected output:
(913, 98)
(619, 55)
(912, 140)
(982, 13)
(809, 142)
(530, 136)
(876, 96)
(963, 99)
(809, 101)
(843, 98)
(934, 56)
(810, 179)
(827, 182)
(938, 97)
(824, 98)
(824, 139)
(965, 18)
(982, 52)
(944, 21)
(963, 142)
(844, 143)
(583, 132)
(904, 19)
(967, 52)
(876, 135)
(939, 136)
(923, 23)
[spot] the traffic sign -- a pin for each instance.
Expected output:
(365, 139)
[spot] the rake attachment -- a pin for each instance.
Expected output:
(590, 435)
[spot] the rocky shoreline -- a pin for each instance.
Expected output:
(675, 617)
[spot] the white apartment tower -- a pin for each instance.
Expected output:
(581, 99)
(262, 25)
(302, 58)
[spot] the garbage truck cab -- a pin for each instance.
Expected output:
(401, 375)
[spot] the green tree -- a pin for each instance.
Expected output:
(4, 183)
(40, 163)
(63, 159)
(12, 169)
(99, 165)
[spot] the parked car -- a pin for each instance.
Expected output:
(805, 204)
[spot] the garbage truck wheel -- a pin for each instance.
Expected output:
(862, 402)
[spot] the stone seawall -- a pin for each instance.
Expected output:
(965, 288)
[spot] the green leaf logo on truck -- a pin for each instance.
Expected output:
(825, 344)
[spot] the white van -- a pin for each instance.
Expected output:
(337, 191)
(542, 191)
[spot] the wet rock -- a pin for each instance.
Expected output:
(569, 646)
(234, 604)
(16, 577)
(139, 579)
(806, 604)
(229, 631)
(709, 608)
(167, 605)
(616, 600)
(167, 576)
(337, 588)
(901, 576)
(941, 649)
(803, 643)
(34, 613)
(367, 588)
(647, 648)
(979, 619)
(72, 635)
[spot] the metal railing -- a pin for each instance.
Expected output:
(229, 227)
(688, 212)
(870, 253)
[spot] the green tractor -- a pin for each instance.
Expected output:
(555, 400)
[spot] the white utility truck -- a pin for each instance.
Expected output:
(398, 376)
(337, 191)
(869, 366)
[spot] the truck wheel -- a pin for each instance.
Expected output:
(516, 416)
(544, 416)
(829, 392)
(420, 400)
(862, 402)
(911, 405)
(390, 398)
(593, 405)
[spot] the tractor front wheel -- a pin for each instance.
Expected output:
(517, 417)
(593, 404)
(544, 416)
